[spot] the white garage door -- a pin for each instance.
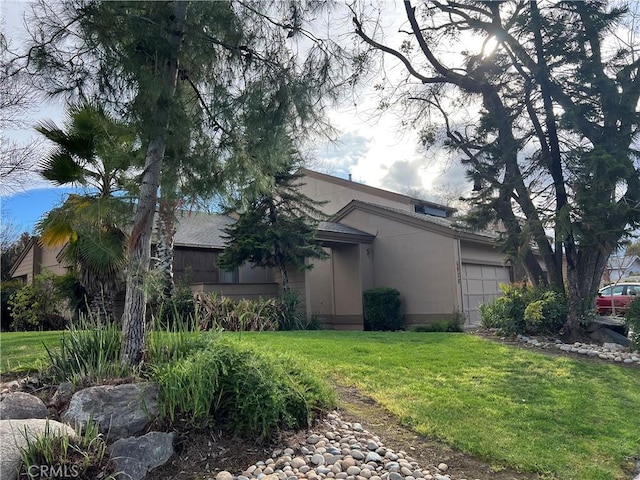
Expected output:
(480, 284)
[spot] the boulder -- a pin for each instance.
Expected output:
(120, 411)
(14, 436)
(20, 405)
(63, 394)
(606, 335)
(135, 457)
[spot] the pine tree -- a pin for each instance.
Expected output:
(276, 230)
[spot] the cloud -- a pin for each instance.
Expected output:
(339, 157)
(403, 176)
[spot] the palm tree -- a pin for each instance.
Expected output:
(95, 151)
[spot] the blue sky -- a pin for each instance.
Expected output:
(23, 210)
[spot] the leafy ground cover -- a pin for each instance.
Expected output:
(558, 416)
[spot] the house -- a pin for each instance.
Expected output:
(620, 267)
(375, 238)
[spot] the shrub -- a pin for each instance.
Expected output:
(7, 290)
(252, 393)
(219, 312)
(547, 314)
(89, 352)
(38, 306)
(72, 292)
(632, 319)
(180, 308)
(81, 456)
(382, 309)
(453, 324)
(524, 309)
(289, 317)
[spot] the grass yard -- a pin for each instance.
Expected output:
(24, 351)
(560, 417)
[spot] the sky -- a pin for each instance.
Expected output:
(370, 146)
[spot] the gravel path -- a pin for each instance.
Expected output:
(340, 450)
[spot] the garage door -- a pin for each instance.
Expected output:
(480, 284)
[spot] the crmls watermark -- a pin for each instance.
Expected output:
(60, 471)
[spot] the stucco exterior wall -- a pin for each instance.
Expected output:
(320, 287)
(478, 253)
(339, 195)
(420, 264)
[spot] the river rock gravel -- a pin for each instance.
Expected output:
(337, 449)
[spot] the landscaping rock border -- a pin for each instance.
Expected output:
(608, 351)
(340, 450)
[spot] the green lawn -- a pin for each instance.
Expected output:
(554, 415)
(563, 418)
(24, 351)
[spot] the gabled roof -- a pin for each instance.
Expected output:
(447, 226)
(376, 191)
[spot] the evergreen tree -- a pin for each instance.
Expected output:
(277, 229)
(186, 71)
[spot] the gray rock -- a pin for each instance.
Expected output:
(406, 471)
(606, 335)
(443, 467)
(298, 462)
(372, 457)
(224, 475)
(20, 405)
(119, 410)
(395, 476)
(135, 457)
(357, 454)
(63, 394)
(313, 439)
(14, 436)
(371, 445)
(357, 427)
(317, 459)
(628, 360)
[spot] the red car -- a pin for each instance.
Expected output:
(620, 294)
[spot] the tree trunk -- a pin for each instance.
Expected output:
(585, 267)
(166, 234)
(133, 319)
(285, 278)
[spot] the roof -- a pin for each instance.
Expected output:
(376, 191)
(451, 226)
(205, 230)
(201, 230)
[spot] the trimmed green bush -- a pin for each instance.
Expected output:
(251, 393)
(523, 309)
(632, 319)
(382, 309)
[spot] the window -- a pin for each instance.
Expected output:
(229, 276)
(618, 290)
